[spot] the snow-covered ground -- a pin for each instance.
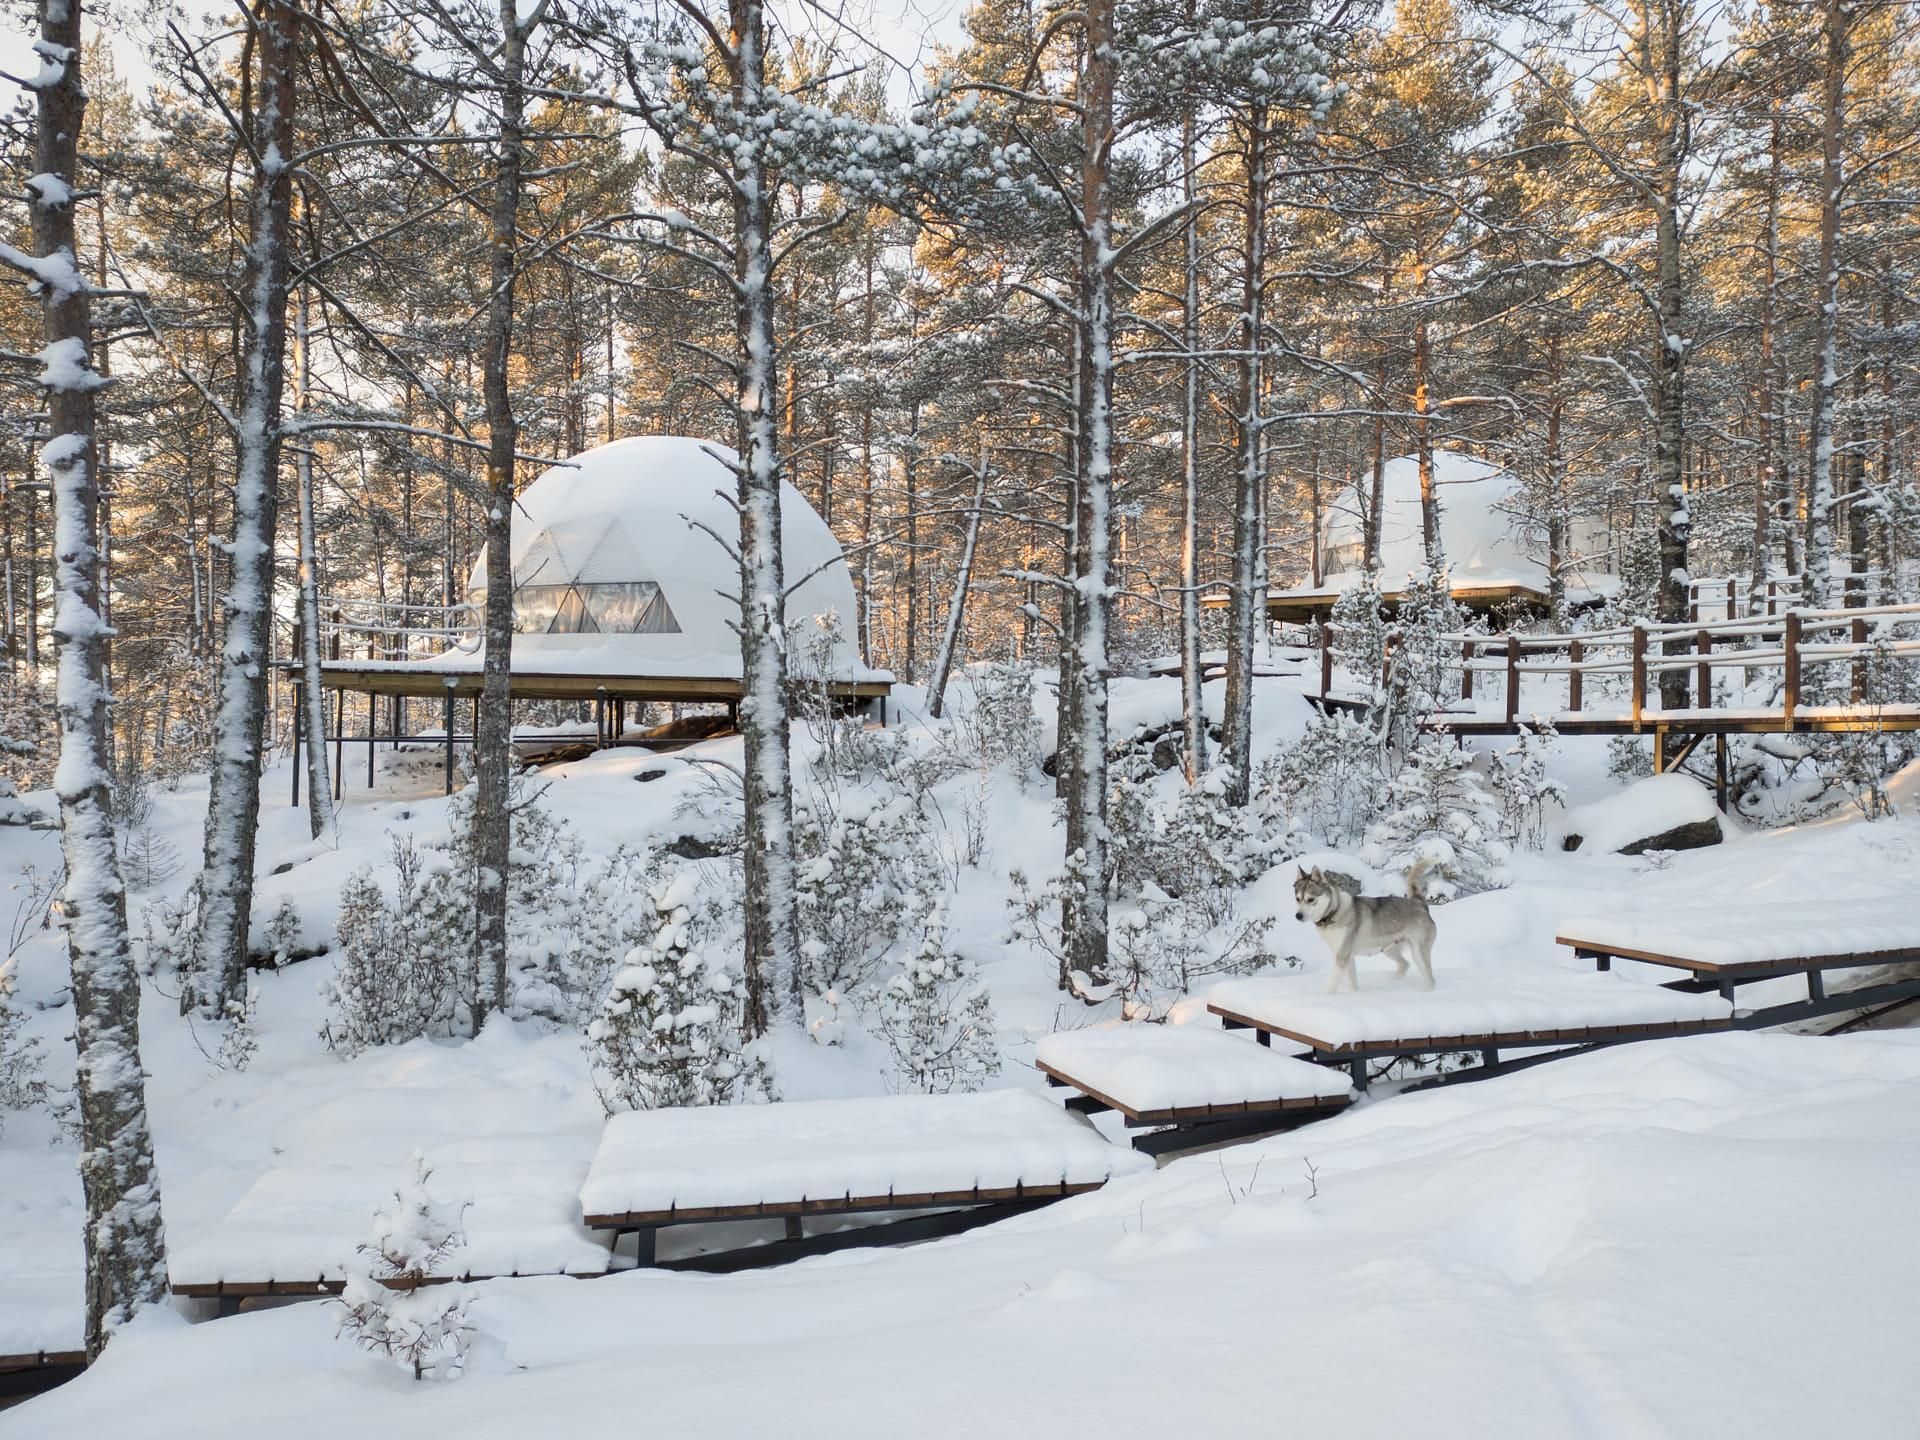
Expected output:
(1620, 1244)
(1686, 1238)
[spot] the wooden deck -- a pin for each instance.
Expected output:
(839, 1205)
(1400, 1046)
(1193, 1114)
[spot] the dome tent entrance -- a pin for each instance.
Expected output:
(625, 589)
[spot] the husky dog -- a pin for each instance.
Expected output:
(1401, 929)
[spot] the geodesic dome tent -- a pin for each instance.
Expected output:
(1490, 557)
(618, 569)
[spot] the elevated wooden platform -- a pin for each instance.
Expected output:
(976, 1158)
(1483, 1011)
(1187, 1085)
(38, 1371)
(1779, 941)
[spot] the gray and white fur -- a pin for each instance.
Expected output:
(1354, 925)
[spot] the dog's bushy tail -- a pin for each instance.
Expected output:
(1415, 874)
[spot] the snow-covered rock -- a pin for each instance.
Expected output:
(1662, 812)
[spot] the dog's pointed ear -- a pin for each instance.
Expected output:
(1316, 873)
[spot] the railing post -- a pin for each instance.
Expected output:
(1703, 672)
(1773, 594)
(1466, 669)
(1790, 651)
(1576, 653)
(1326, 660)
(1513, 677)
(1732, 598)
(1639, 673)
(1859, 633)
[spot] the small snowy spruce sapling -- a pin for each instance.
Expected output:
(396, 979)
(937, 1021)
(1519, 779)
(20, 1084)
(1440, 816)
(866, 877)
(389, 1302)
(669, 1030)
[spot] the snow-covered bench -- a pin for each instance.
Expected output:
(1204, 1083)
(1485, 1010)
(991, 1153)
(295, 1229)
(1771, 940)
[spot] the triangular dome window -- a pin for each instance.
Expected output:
(573, 617)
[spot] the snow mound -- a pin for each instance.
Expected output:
(1645, 810)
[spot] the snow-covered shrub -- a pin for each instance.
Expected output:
(1628, 758)
(1361, 636)
(1033, 914)
(866, 876)
(1424, 671)
(20, 1082)
(668, 1031)
(1442, 820)
(1195, 846)
(281, 939)
(937, 1021)
(170, 930)
(1857, 764)
(1331, 782)
(391, 1303)
(398, 976)
(1164, 947)
(27, 744)
(564, 946)
(238, 1042)
(1519, 780)
(1002, 727)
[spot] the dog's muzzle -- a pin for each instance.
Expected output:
(1299, 914)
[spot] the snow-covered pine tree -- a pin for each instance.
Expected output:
(670, 1030)
(125, 1241)
(233, 793)
(391, 1303)
(937, 1020)
(398, 976)
(1442, 821)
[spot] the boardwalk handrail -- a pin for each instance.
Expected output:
(1644, 652)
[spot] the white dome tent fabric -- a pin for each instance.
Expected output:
(618, 569)
(624, 572)
(1486, 547)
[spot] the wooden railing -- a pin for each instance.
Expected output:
(1790, 643)
(352, 628)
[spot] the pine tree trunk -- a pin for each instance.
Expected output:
(772, 925)
(1084, 933)
(126, 1263)
(1423, 438)
(233, 793)
(493, 728)
(1557, 518)
(1246, 597)
(312, 697)
(1826, 382)
(1192, 709)
(1766, 480)
(1670, 359)
(957, 604)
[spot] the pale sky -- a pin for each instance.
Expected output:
(903, 31)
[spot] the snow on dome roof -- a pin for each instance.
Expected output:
(1479, 533)
(613, 572)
